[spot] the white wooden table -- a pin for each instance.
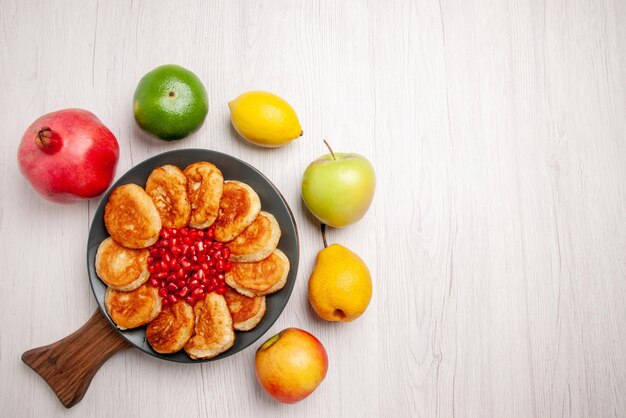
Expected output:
(497, 239)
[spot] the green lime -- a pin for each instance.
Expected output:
(170, 102)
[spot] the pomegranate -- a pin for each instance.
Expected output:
(68, 155)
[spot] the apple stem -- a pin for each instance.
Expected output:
(323, 228)
(330, 149)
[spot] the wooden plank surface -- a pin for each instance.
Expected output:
(497, 239)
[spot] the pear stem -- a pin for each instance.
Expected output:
(323, 228)
(330, 149)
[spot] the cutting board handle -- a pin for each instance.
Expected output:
(68, 365)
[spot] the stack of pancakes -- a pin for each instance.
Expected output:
(197, 197)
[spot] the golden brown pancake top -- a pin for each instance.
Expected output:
(204, 189)
(169, 331)
(259, 275)
(214, 328)
(242, 307)
(253, 238)
(119, 266)
(131, 309)
(131, 217)
(235, 201)
(167, 186)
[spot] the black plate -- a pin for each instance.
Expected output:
(232, 169)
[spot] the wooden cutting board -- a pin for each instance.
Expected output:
(69, 364)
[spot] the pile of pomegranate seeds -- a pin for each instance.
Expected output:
(187, 263)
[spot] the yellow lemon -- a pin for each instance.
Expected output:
(340, 286)
(264, 119)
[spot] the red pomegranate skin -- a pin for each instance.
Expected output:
(68, 155)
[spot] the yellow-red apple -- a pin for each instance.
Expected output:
(291, 365)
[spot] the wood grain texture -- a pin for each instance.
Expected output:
(497, 238)
(68, 365)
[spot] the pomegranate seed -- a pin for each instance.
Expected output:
(187, 263)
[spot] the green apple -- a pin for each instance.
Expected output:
(338, 188)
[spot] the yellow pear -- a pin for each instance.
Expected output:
(340, 286)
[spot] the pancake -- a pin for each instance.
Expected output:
(257, 241)
(214, 328)
(260, 278)
(121, 268)
(239, 207)
(246, 312)
(131, 218)
(171, 330)
(167, 186)
(204, 190)
(132, 309)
